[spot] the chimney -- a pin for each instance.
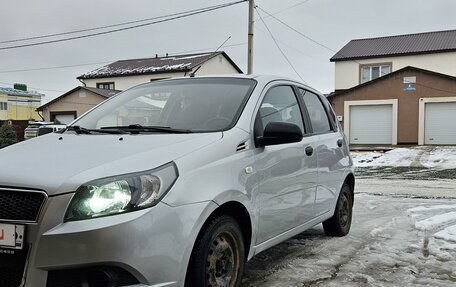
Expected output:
(21, 87)
(166, 54)
(156, 56)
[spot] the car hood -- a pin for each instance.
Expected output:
(60, 163)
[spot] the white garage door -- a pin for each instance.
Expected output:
(64, 119)
(440, 123)
(371, 124)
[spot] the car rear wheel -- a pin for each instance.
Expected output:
(218, 255)
(340, 223)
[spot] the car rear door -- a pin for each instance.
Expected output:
(287, 176)
(329, 149)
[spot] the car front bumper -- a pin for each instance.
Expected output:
(153, 245)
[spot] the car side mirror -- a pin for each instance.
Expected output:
(280, 133)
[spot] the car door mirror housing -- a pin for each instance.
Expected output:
(280, 133)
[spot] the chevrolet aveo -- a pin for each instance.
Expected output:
(173, 183)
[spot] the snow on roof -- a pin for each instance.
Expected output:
(174, 63)
(15, 92)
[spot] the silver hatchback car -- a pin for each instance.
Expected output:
(173, 183)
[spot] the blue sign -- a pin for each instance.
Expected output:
(409, 87)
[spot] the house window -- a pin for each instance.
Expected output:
(106, 86)
(3, 106)
(372, 72)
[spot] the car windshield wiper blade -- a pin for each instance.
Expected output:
(136, 129)
(81, 130)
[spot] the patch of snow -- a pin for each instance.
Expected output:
(443, 157)
(432, 208)
(436, 221)
(448, 234)
(395, 157)
(425, 156)
(184, 58)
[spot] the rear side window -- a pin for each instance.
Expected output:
(317, 113)
(280, 105)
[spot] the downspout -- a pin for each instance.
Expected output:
(82, 82)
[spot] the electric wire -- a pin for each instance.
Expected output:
(109, 26)
(111, 61)
(278, 46)
(332, 50)
(122, 29)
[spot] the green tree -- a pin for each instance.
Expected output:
(7, 136)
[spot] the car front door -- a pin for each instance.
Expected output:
(287, 175)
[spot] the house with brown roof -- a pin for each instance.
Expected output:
(125, 74)
(397, 89)
(67, 107)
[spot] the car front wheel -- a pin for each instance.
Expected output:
(218, 255)
(340, 223)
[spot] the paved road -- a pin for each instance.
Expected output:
(392, 243)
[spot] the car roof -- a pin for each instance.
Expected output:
(261, 78)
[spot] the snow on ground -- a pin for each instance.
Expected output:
(403, 231)
(384, 248)
(424, 156)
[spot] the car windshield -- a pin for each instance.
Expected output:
(193, 105)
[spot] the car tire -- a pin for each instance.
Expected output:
(218, 255)
(340, 223)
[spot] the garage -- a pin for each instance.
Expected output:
(63, 117)
(371, 124)
(439, 123)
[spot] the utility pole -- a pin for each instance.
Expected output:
(250, 38)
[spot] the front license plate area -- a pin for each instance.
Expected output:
(11, 237)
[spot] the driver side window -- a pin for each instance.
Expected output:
(279, 105)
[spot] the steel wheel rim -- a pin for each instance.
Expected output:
(222, 261)
(344, 210)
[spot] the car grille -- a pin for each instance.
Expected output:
(12, 267)
(18, 205)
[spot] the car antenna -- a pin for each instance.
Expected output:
(192, 74)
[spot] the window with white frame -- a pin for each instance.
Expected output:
(106, 86)
(371, 72)
(3, 106)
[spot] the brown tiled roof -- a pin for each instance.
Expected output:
(175, 63)
(101, 92)
(421, 43)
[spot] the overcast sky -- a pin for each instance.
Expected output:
(330, 22)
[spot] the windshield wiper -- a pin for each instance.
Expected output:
(136, 129)
(81, 130)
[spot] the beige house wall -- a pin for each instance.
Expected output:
(347, 73)
(79, 101)
(217, 65)
(3, 114)
(124, 83)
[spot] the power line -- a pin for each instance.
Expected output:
(52, 68)
(278, 46)
(125, 28)
(110, 61)
(48, 90)
(108, 26)
(300, 33)
(288, 8)
(332, 50)
(287, 45)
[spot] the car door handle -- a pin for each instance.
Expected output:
(309, 150)
(339, 142)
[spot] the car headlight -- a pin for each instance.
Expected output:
(122, 193)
